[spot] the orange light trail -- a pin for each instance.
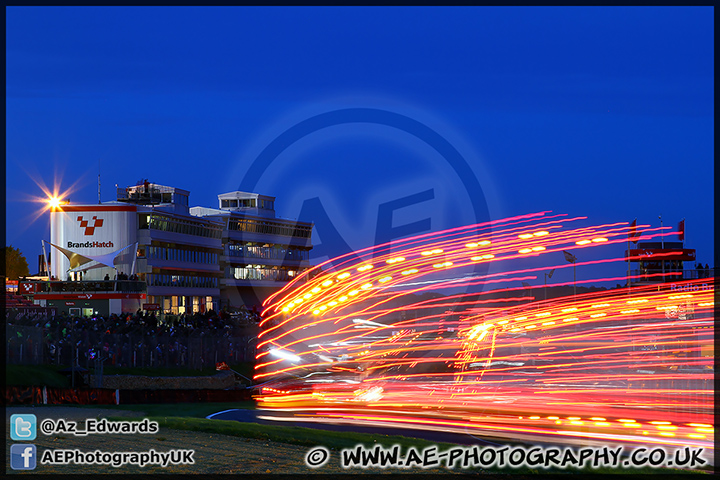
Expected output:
(371, 328)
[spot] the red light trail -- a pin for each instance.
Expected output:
(373, 340)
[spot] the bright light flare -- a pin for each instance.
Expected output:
(284, 355)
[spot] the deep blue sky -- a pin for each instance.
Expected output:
(605, 112)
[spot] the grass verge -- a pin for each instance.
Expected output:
(310, 437)
(36, 375)
(287, 434)
(191, 410)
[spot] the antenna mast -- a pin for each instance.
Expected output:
(99, 202)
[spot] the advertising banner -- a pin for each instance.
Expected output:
(684, 254)
(25, 288)
(93, 230)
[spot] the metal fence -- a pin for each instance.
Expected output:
(37, 345)
(51, 286)
(671, 275)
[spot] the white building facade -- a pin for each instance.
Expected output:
(191, 259)
(261, 252)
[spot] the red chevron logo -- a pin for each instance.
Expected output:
(90, 230)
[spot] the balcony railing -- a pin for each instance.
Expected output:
(264, 253)
(670, 275)
(126, 286)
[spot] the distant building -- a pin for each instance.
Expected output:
(260, 251)
(185, 259)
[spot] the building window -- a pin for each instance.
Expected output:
(258, 272)
(168, 224)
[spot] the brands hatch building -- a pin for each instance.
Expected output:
(190, 259)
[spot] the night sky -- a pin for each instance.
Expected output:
(604, 112)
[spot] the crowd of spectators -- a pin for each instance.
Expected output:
(121, 338)
(209, 322)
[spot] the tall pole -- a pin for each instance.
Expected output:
(682, 267)
(132, 268)
(570, 258)
(574, 279)
(628, 262)
(99, 202)
(45, 258)
(74, 349)
(662, 239)
(662, 246)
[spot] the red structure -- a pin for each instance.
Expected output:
(653, 262)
